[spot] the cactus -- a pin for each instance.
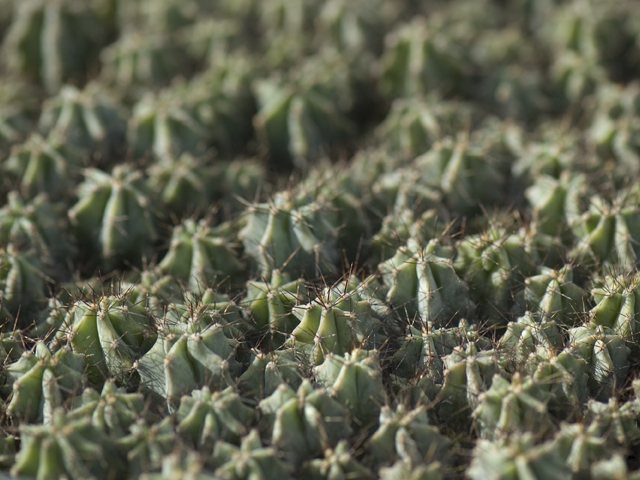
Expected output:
(268, 371)
(22, 283)
(525, 335)
(270, 306)
(337, 462)
(407, 435)
(43, 381)
(71, 448)
(42, 165)
(250, 461)
(111, 332)
(517, 458)
(292, 234)
(355, 380)
(423, 284)
(147, 445)
(52, 43)
(308, 423)
(205, 417)
(201, 257)
(112, 216)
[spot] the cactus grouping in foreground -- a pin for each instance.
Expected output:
(327, 240)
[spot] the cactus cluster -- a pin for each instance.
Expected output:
(336, 239)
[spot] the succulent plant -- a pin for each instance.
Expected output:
(71, 448)
(43, 381)
(517, 458)
(147, 445)
(525, 335)
(493, 264)
(337, 463)
(205, 417)
(251, 461)
(201, 256)
(112, 411)
(308, 423)
(268, 371)
(423, 284)
(112, 216)
(405, 471)
(22, 282)
(355, 380)
(111, 333)
(304, 118)
(292, 234)
(89, 120)
(270, 305)
(52, 43)
(407, 435)
(419, 58)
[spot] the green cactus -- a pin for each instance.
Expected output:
(42, 165)
(575, 77)
(112, 216)
(111, 332)
(525, 335)
(15, 118)
(22, 283)
(517, 458)
(406, 471)
(201, 256)
(42, 382)
(67, 448)
(268, 371)
(494, 265)
(181, 465)
(407, 435)
(270, 306)
(423, 284)
(112, 411)
(308, 423)
(337, 463)
(355, 380)
(292, 234)
(52, 43)
(251, 461)
(205, 417)
(148, 445)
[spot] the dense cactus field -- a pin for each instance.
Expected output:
(338, 239)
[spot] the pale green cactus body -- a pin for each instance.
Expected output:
(308, 423)
(270, 306)
(526, 334)
(37, 225)
(517, 458)
(606, 232)
(418, 59)
(554, 296)
(406, 471)
(111, 332)
(147, 445)
(165, 126)
(42, 165)
(461, 172)
(87, 119)
(423, 284)
(575, 77)
(606, 354)
(201, 257)
(616, 307)
(268, 371)
(291, 235)
(511, 407)
(211, 41)
(337, 463)
(251, 461)
(403, 188)
(182, 362)
(112, 216)
(22, 282)
(616, 423)
(414, 125)
(551, 156)
(74, 449)
(556, 201)
(407, 435)
(112, 411)
(15, 118)
(53, 41)
(355, 380)
(42, 382)
(181, 465)
(493, 264)
(205, 417)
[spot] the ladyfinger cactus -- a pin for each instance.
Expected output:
(112, 216)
